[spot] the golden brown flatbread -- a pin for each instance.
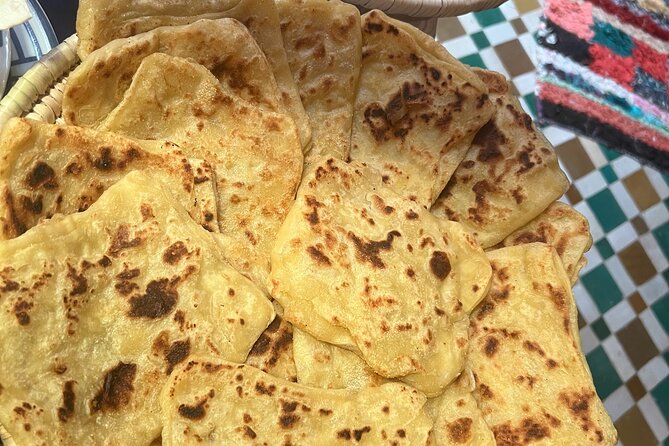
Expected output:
(457, 417)
(48, 169)
(223, 46)
(356, 265)
(255, 154)
(323, 44)
(97, 308)
(216, 402)
(319, 364)
(273, 351)
(562, 227)
(417, 108)
(532, 379)
(509, 176)
(101, 21)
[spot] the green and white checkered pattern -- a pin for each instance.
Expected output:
(623, 293)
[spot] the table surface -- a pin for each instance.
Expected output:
(623, 294)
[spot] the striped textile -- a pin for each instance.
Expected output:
(604, 72)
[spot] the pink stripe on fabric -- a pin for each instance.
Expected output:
(564, 97)
(649, 108)
(574, 17)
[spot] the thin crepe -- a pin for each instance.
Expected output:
(214, 402)
(562, 227)
(509, 176)
(101, 21)
(532, 380)
(255, 154)
(417, 108)
(356, 265)
(48, 169)
(323, 45)
(98, 307)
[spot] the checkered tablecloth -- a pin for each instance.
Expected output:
(623, 296)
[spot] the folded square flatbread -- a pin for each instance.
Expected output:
(417, 108)
(101, 21)
(97, 308)
(509, 176)
(532, 380)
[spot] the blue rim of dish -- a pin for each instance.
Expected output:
(46, 24)
(37, 39)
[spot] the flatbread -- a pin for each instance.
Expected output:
(48, 169)
(457, 418)
(256, 154)
(319, 364)
(562, 227)
(533, 382)
(417, 108)
(323, 44)
(98, 307)
(509, 176)
(273, 351)
(358, 266)
(214, 402)
(100, 21)
(206, 194)
(223, 46)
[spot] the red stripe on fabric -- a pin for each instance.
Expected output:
(609, 64)
(652, 62)
(644, 22)
(566, 98)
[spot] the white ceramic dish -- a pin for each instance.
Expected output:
(5, 59)
(29, 42)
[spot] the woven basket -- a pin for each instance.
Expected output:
(38, 94)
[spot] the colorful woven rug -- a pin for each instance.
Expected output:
(603, 73)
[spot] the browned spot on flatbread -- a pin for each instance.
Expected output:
(117, 388)
(491, 345)
(105, 161)
(41, 175)
(21, 309)
(368, 251)
(147, 212)
(121, 241)
(31, 205)
(344, 434)
(159, 299)
(175, 252)
(529, 237)
(318, 256)
(249, 433)
(440, 265)
(288, 421)
(79, 282)
(66, 411)
(459, 431)
(263, 389)
(196, 412)
(488, 139)
(525, 161)
(529, 431)
(177, 353)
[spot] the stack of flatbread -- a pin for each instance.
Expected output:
(284, 223)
